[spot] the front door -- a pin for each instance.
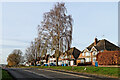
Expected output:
(74, 62)
(71, 63)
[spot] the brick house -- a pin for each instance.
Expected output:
(89, 54)
(70, 56)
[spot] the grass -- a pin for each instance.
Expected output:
(105, 71)
(6, 75)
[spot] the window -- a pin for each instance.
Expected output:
(87, 54)
(88, 59)
(83, 54)
(94, 53)
(82, 61)
(94, 59)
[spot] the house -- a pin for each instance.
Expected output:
(64, 59)
(51, 59)
(43, 60)
(38, 61)
(89, 54)
(70, 57)
(61, 59)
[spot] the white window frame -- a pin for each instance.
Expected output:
(82, 61)
(88, 59)
(83, 54)
(87, 54)
(94, 59)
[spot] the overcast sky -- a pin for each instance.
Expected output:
(91, 19)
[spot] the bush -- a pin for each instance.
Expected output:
(108, 58)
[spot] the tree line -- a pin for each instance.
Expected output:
(54, 34)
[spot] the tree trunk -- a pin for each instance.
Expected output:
(57, 61)
(58, 51)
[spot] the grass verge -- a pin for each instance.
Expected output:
(101, 71)
(6, 75)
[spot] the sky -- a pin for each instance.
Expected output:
(91, 19)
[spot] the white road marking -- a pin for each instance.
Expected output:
(67, 73)
(38, 74)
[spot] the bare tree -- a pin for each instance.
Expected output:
(28, 55)
(54, 34)
(57, 26)
(30, 52)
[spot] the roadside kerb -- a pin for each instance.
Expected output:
(84, 74)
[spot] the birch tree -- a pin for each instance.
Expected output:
(58, 27)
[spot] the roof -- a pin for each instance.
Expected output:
(75, 52)
(104, 45)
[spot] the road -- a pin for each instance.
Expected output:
(45, 74)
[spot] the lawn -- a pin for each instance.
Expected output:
(6, 75)
(106, 71)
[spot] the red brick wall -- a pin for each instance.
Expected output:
(108, 58)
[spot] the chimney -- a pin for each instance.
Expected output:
(95, 42)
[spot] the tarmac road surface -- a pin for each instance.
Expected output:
(45, 74)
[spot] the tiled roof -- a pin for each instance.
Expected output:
(75, 52)
(104, 45)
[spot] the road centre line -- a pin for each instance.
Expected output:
(67, 73)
